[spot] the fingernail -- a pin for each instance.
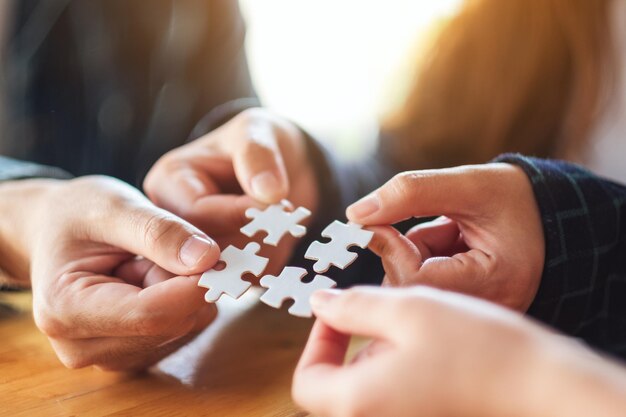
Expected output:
(321, 298)
(364, 207)
(194, 249)
(265, 186)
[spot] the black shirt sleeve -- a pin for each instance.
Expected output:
(583, 288)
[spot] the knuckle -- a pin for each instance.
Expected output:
(149, 183)
(90, 182)
(258, 150)
(169, 162)
(150, 324)
(158, 227)
(115, 203)
(248, 116)
(403, 183)
(73, 358)
(108, 196)
(71, 362)
(76, 362)
(298, 393)
(49, 325)
(355, 404)
(354, 297)
(385, 248)
(49, 312)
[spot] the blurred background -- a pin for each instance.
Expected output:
(336, 67)
(452, 82)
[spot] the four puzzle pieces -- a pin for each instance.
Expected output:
(228, 280)
(289, 285)
(335, 252)
(276, 221)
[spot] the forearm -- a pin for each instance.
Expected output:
(19, 203)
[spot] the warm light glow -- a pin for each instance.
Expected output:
(330, 65)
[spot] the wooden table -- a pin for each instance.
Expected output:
(240, 366)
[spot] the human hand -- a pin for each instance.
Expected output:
(256, 158)
(436, 353)
(489, 243)
(95, 300)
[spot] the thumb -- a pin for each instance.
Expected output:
(159, 236)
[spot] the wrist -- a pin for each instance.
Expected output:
(565, 377)
(20, 204)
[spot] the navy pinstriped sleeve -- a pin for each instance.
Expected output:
(583, 288)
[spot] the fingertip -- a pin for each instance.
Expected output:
(320, 300)
(363, 210)
(268, 187)
(204, 317)
(199, 253)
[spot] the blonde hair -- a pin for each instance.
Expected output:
(506, 76)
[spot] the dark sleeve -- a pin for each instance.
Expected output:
(583, 288)
(12, 169)
(224, 75)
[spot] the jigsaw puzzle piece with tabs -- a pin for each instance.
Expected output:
(228, 280)
(276, 221)
(342, 236)
(289, 285)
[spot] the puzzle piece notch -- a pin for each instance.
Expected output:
(276, 221)
(228, 281)
(289, 285)
(342, 237)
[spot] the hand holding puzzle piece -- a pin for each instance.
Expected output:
(277, 221)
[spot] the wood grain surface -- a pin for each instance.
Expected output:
(240, 366)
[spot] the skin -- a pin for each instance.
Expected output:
(112, 282)
(76, 243)
(436, 353)
(492, 228)
(255, 159)
(488, 243)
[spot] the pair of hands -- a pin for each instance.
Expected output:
(435, 352)
(114, 274)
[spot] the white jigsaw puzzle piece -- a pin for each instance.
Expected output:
(342, 236)
(228, 280)
(289, 285)
(276, 221)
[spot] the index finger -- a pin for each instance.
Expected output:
(452, 192)
(110, 307)
(320, 375)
